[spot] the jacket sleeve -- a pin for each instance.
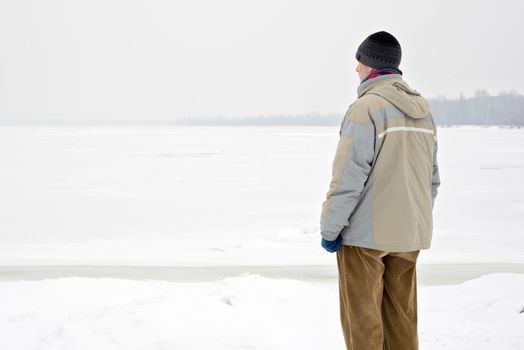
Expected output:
(351, 168)
(435, 182)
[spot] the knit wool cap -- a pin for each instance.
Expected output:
(379, 50)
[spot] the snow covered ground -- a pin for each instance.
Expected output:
(233, 198)
(243, 312)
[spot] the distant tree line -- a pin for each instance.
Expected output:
(507, 108)
(482, 109)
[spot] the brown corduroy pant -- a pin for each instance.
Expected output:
(378, 298)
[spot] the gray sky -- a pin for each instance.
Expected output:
(150, 59)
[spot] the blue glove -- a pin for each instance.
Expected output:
(332, 246)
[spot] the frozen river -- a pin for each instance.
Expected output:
(227, 196)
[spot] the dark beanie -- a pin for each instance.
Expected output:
(379, 50)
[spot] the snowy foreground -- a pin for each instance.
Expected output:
(244, 312)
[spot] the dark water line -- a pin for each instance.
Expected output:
(427, 274)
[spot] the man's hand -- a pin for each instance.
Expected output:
(332, 246)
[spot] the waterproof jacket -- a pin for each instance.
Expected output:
(385, 174)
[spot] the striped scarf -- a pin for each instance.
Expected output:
(382, 71)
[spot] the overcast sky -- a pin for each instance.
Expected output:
(150, 59)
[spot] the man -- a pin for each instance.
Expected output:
(377, 214)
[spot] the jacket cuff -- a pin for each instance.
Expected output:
(329, 236)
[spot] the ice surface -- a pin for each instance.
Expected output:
(229, 195)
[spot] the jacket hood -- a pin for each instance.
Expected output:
(396, 91)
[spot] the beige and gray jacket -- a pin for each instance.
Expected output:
(385, 174)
